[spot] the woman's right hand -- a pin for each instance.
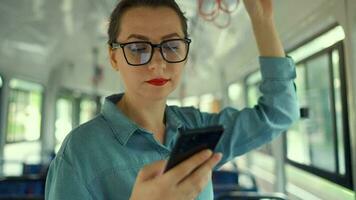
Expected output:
(185, 181)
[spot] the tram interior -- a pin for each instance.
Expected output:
(55, 73)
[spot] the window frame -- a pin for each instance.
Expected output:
(336, 177)
(42, 95)
(2, 119)
(76, 98)
(1, 91)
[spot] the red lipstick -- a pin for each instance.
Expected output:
(158, 81)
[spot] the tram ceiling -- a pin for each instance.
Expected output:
(36, 35)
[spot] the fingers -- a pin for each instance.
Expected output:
(150, 171)
(259, 9)
(183, 169)
(201, 176)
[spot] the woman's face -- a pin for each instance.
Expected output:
(153, 25)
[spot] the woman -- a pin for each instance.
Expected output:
(121, 154)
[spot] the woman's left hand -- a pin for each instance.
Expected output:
(259, 9)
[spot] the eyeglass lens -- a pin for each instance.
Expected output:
(138, 53)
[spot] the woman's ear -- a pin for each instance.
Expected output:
(113, 60)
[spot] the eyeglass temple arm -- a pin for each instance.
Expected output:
(115, 45)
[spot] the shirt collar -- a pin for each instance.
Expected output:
(172, 120)
(173, 124)
(122, 126)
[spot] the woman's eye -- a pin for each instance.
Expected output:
(138, 48)
(171, 47)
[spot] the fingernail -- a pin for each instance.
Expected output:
(218, 156)
(208, 152)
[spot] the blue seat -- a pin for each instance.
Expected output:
(29, 169)
(237, 195)
(227, 186)
(229, 181)
(23, 187)
(225, 177)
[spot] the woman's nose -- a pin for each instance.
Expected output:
(157, 61)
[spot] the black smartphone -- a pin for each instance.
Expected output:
(192, 141)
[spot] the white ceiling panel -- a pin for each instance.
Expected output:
(39, 35)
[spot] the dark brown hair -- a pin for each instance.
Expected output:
(124, 5)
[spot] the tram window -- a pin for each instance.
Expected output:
(64, 119)
(72, 109)
(24, 119)
(236, 97)
(298, 148)
(338, 110)
(0, 94)
(0, 90)
(319, 125)
(23, 125)
(318, 142)
(88, 109)
(173, 102)
(206, 103)
(191, 101)
(102, 100)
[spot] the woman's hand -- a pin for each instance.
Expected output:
(261, 14)
(259, 9)
(183, 182)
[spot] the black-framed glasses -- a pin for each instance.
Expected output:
(141, 53)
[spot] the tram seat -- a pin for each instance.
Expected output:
(34, 169)
(40, 169)
(238, 195)
(22, 187)
(228, 185)
(30, 185)
(226, 181)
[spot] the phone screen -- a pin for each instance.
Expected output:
(192, 141)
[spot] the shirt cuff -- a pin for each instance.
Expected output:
(277, 68)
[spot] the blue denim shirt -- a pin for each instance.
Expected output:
(101, 158)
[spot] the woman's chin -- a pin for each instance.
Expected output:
(157, 95)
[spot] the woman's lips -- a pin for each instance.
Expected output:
(158, 81)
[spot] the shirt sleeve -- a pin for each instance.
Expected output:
(275, 111)
(63, 183)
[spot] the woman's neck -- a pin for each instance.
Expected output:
(147, 114)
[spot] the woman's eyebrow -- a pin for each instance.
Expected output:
(138, 36)
(170, 36)
(142, 37)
